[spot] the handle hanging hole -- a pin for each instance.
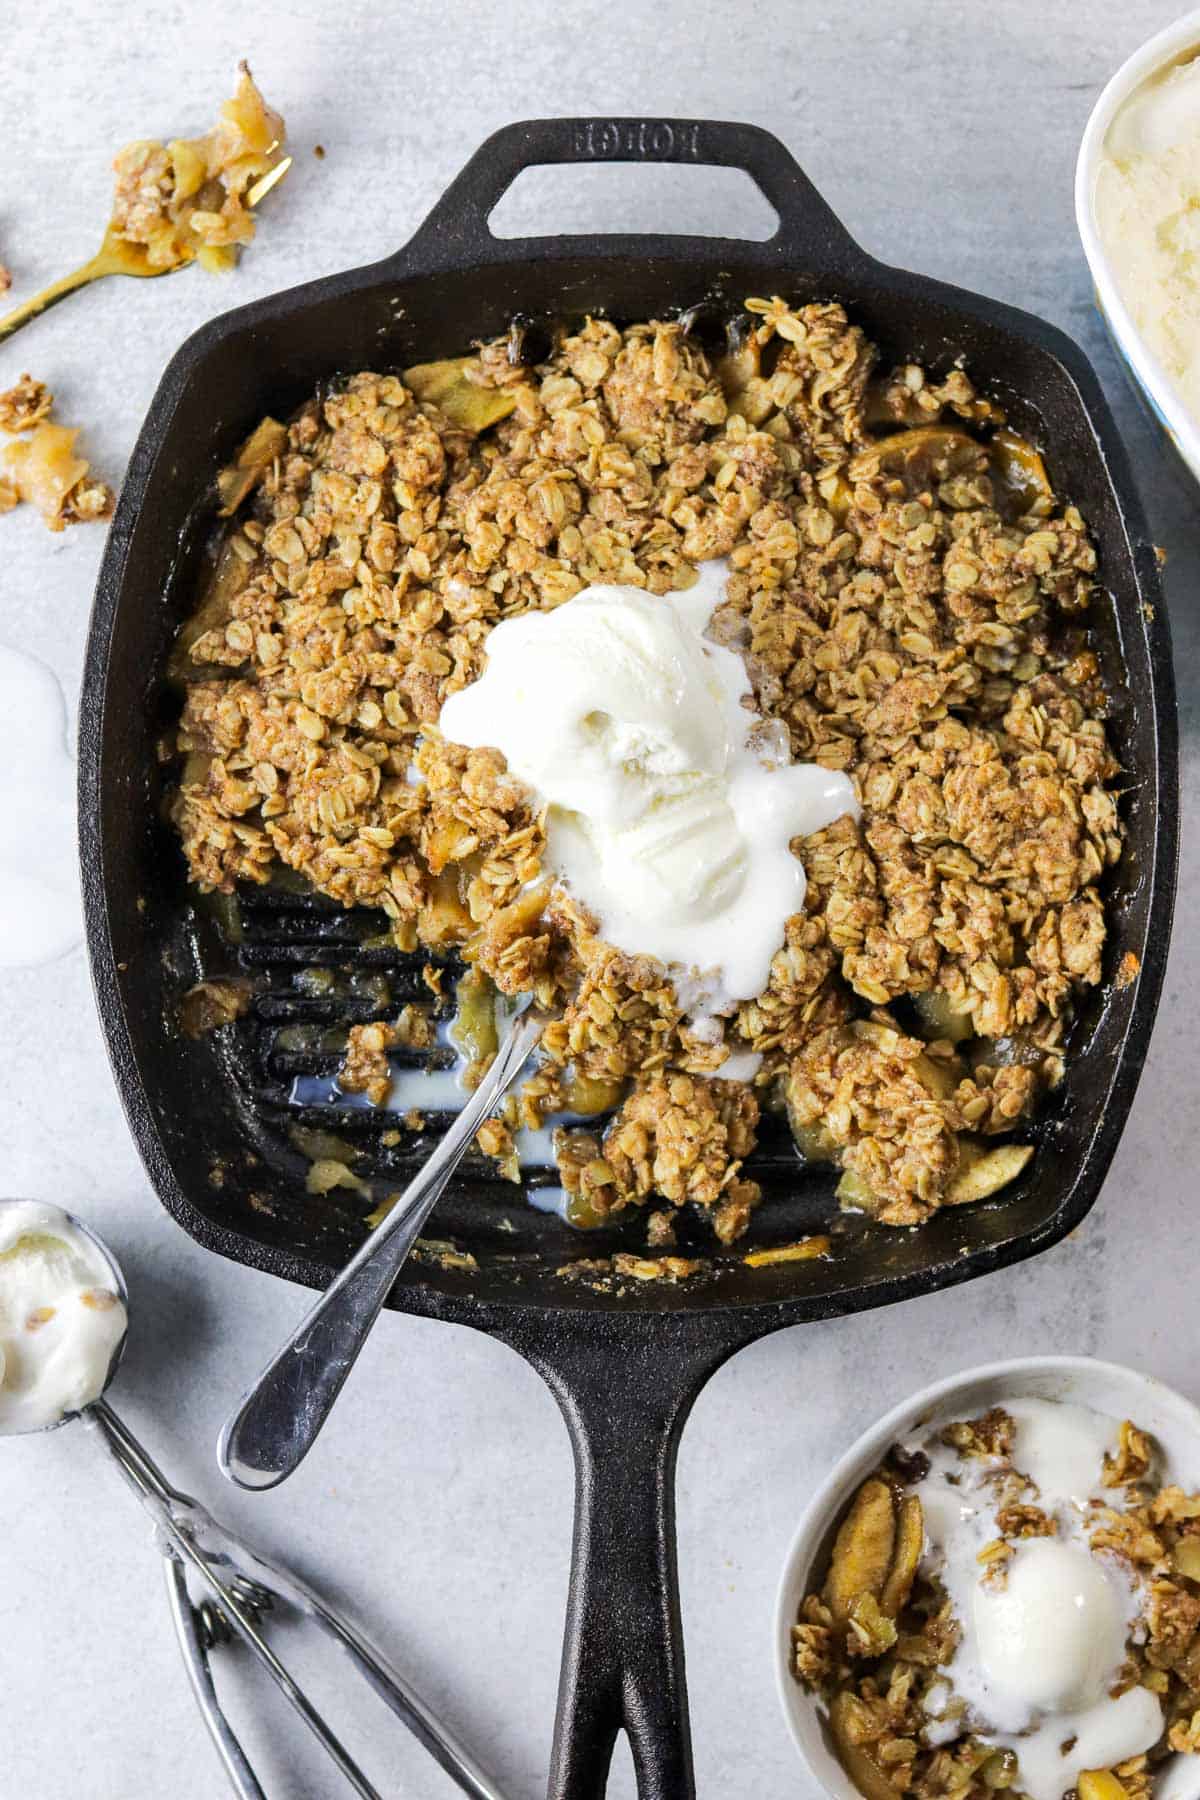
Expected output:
(686, 200)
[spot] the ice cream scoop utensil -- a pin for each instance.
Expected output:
(239, 1588)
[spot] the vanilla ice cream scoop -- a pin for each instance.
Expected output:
(665, 814)
(1052, 1635)
(62, 1316)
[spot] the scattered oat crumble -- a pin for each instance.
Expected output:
(1128, 969)
(24, 406)
(657, 1268)
(444, 1254)
(495, 1139)
(602, 1272)
(210, 1004)
(365, 1068)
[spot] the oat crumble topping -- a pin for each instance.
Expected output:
(910, 598)
(24, 405)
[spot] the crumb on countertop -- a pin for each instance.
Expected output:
(42, 466)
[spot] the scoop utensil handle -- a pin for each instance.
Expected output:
(241, 1590)
(278, 1420)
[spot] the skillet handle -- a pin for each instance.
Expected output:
(625, 1385)
(457, 231)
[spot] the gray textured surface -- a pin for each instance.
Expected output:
(438, 1502)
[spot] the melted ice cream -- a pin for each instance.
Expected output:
(1040, 1650)
(40, 911)
(670, 803)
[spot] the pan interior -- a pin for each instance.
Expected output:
(212, 1113)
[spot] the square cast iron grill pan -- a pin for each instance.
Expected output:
(207, 1114)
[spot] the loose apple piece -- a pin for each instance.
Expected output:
(815, 1141)
(836, 493)
(805, 1250)
(862, 1550)
(591, 1094)
(474, 1027)
(939, 1074)
(939, 1017)
(846, 1717)
(214, 612)
(923, 456)
(1000, 1771)
(746, 392)
(1020, 473)
(446, 385)
(910, 1541)
(1100, 1784)
(1186, 1557)
(253, 459)
(871, 1627)
(983, 1175)
(854, 1195)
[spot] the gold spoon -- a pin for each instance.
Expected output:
(116, 256)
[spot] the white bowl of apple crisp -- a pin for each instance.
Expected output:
(997, 1589)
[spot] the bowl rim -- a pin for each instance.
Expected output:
(1166, 46)
(819, 1514)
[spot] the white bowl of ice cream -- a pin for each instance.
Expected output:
(1043, 1684)
(1137, 205)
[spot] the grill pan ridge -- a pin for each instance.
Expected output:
(209, 1115)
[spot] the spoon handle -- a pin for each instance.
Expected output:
(277, 1422)
(41, 302)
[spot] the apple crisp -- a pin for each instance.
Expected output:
(883, 1645)
(910, 599)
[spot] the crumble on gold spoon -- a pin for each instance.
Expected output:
(189, 200)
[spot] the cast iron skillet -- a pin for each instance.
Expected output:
(625, 1367)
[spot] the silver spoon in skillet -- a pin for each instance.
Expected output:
(278, 1420)
(241, 1588)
